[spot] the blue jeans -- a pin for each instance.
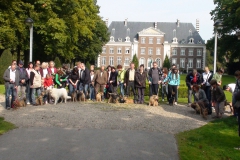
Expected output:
(164, 90)
(92, 92)
(28, 93)
(121, 85)
(80, 86)
(86, 89)
(10, 91)
(34, 90)
(71, 89)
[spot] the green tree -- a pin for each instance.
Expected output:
(57, 62)
(135, 61)
(88, 65)
(5, 62)
(166, 62)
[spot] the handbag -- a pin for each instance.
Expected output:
(236, 104)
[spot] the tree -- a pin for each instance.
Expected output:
(166, 62)
(57, 62)
(88, 65)
(135, 61)
(5, 62)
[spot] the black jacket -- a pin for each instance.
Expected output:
(113, 77)
(85, 79)
(22, 76)
(189, 79)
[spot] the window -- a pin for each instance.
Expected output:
(126, 62)
(182, 52)
(111, 50)
(142, 61)
(149, 62)
(104, 50)
(182, 63)
(158, 60)
(103, 61)
(119, 39)
(119, 50)
(143, 41)
(190, 52)
(142, 50)
(190, 63)
(158, 51)
(150, 51)
(191, 41)
(158, 41)
(199, 63)
(150, 40)
(111, 39)
(174, 52)
(111, 61)
(174, 61)
(127, 50)
(199, 52)
(119, 60)
(127, 39)
(175, 40)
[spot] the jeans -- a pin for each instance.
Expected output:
(190, 93)
(155, 88)
(92, 92)
(141, 95)
(80, 86)
(164, 90)
(131, 86)
(28, 93)
(10, 91)
(71, 89)
(21, 91)
(86, 89)
(34, 90)
(121, 85)
(172, 88)
(208, 94)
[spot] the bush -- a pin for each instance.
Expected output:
(57, 62)
(5, 62)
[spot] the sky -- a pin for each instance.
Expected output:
(160, 11)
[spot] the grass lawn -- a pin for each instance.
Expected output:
(2, 89)
(214, 141)
(5, 126)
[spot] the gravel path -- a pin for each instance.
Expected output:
(93, 115)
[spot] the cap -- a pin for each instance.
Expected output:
(20, 62)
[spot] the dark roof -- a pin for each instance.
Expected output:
(182, 32)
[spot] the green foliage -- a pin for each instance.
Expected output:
(216, 140)
(5, 62)
(88, 65)
(166, 62)
(135, 61)
(5, 126)
(57, 62)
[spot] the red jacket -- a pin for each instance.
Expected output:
(48, 82)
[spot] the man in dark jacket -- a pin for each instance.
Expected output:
(11, 78)
(85, 78)
(154, 79)
(23, 78)
(113, 80)
(192, 78)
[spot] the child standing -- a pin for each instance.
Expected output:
(218, 98)
(48, 84)
(92, 93)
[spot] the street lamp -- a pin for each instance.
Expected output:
(29, 22)
(217, 25)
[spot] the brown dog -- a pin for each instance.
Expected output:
(74, 96)
(82, 96)
(226, 103)
(128, 100)
(113, 98)
(99, 97)
(200, 109)
(153, 101)
(39, 100)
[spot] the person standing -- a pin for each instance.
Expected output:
(206, 86)
(85, 78)
(51, 69)
(129, 80)
(100, 80)
(23, 78)
(113, 81)
(140, 83)
(218, 76)
(173, 81)
(28, 90)
(11, 78)
(164, 85)
(192, 78)
(73, 81)
(218, 98)
(35, 83)
(120, 79)
(155, 76)
(91, 87)
(108, 89)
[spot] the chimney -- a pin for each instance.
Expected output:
(197, 25)
(106, 22)
(178, 21)
(155, 26)
(125, 22)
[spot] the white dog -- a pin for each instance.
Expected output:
(58, 93)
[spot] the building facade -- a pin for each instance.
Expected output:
(153, 41)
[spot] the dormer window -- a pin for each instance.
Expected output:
(191, 41)
(199, 42)
(111, 39)
(183, 41)
(119, 39)
(127, 39)
(175, 40)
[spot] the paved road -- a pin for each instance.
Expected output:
(41, 143)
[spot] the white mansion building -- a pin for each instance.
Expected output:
(152, 41)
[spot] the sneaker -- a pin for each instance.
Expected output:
(175, 103)
(162, 100)
(28, 103)
(8, 108)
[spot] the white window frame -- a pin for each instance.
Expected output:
(111, 61)
(149, 63)
(191, 41)
(127, 39)
(182, 62)
(150, 40)
(150, 51)
(127, 50)
(111, 39)
(119, 60)
(126, 61)
(158, 51)
(143, 49)
(175, 40)
(159, 62)
(174, 61)
(190, 52)
(158, 40)
(142, 61)
(119, 50)
(174, 51)
(183, 52)
(103, 61)
(199, 63)
(104, 50)
(199, 52)
(143, 40)
(111, 50)
(190, 63)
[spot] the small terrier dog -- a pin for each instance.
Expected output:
(113, 98)
(200, 109)
(81, 96)
(128, 100)
(74, 96)
(99, 96)
(153, 101)
(226, 103)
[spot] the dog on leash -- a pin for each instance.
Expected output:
(81, 96)
(153, 101)
(39, 100)
(74, 96)
(19, 103)
(128, 100)
(59, 93)
(113, 98)
(99, 96)
(200, 109)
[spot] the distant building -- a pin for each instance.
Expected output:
(152, 41)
